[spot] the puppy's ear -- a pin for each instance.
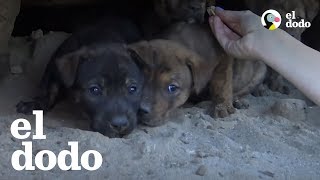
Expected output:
(199, 70)
(67, 66)
(136, 58)
(141, 52)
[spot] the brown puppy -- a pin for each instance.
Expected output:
(199, 38)
(173, 72)
(188, 63)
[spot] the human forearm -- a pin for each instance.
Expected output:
(295, 61)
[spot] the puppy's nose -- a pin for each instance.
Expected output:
(120, 123)
(145, 108)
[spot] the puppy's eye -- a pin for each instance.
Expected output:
(132, 89)
(95, 90)
(172, 88)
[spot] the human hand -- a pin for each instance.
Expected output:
(240, 33)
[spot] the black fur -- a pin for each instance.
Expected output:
(97, 68)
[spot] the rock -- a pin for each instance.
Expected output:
(291, 109)
(16, 69)
(203, 122)
(4, 65)
(241, 104)
(44, 48)
(196, 160)
(202, 170)
(313, 116)
(35, 35)
(296, 94)
(267, 173)
(20, 54)
(185, 138)
(9, 9)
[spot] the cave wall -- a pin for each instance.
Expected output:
(33, 3)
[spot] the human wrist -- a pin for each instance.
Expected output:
(271, 45)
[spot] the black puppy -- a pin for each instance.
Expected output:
(103, 75)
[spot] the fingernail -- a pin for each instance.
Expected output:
(219, 8)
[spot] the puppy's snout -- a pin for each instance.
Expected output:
(145, 108)
(120, 123)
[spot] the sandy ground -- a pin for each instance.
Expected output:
(278, 137)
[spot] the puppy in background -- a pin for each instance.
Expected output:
(96, 68)
(167, 12)
(171, 11)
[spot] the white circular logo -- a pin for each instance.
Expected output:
(271, 19)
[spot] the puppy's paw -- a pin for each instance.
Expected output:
(222, 111)
(241, 104)
(27, 107)
(260, 91)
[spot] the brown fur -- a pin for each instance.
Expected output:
(247, 75)
(230, 80)
(168, 63)
(169, 58)
(199, 39)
